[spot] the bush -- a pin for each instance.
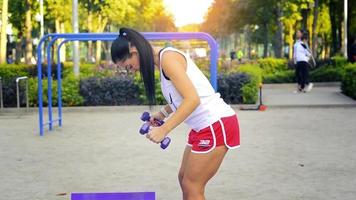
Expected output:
(272, 65)
(280, 77)
(109, 91)
(86, 70)
(339, 61)
(250, 89)
(326, 74)
(9, 92)
(70, 92)
(9, 71)
(33, 72)
(348, 84)
(90, 69)
(160, 100)
(230, 87)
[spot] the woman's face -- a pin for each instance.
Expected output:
(132, 63)
(299, 34)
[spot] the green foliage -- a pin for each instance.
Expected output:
(119, 90)
(160, 100)
(339, 61)
(230, 87)
(250, 90)
(8, 71)
(70, 92)
(272, 65)
(87, 70)
(33, 92)
(348, 84)
(326, 74)
(287, 76)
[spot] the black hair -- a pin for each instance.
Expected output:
(305, 36)
(302, 31)
(120, 51)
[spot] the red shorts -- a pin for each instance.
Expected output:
(223, 132)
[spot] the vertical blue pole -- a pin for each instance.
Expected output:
(49, 80)
(59, 85)
(39, 76)
(213, 66)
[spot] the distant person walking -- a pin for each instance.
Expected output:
(240, 54)
(302, 55)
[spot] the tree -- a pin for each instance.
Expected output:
(217, 20)
(315, 22)
(21, 18)
(290, 18)
(3, 40)
(58, 11)
(323, 29)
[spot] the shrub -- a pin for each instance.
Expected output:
(272, 65)
(9, 92)
(230, 87)
(86, 70)
(33, 70)
(339, 61)
(70, 92)
(250, 89)
(280, 77)
(326, 74)
(348, 84)
(109, 91)
(9, 71)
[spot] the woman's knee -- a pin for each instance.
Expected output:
(180, 177)
(191, 187)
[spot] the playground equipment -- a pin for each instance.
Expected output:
(18, 92)
(52, 38)
(114, 196)
(18, 80)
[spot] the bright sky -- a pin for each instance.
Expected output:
(188, 11)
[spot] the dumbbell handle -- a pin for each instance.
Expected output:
(146, 128)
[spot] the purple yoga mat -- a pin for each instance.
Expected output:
(114, 196)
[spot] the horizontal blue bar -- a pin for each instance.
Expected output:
(114, 196)
(55, 120)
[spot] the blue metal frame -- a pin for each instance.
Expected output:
(104, 37)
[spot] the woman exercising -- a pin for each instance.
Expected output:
(191, 99)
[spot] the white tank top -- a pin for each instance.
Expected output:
(211, 107)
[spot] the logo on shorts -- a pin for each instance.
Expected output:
(204, 143)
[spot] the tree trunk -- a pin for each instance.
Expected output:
(305, 13)
(265, 43)
(279, 41)
(58, 30)
(98, 43)
(90, 29)
(315, 34)
(351, 36)
(3, 39)
(63, 48)
(28, 34)
(290, 42)
(334, 42)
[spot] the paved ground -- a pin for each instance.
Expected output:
(302, 147)
(302, 153)
(322, 95)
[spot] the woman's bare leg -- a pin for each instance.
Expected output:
(198, 170)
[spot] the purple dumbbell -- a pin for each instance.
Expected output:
(146, 128)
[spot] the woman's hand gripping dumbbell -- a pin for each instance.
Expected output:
(147, 126)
